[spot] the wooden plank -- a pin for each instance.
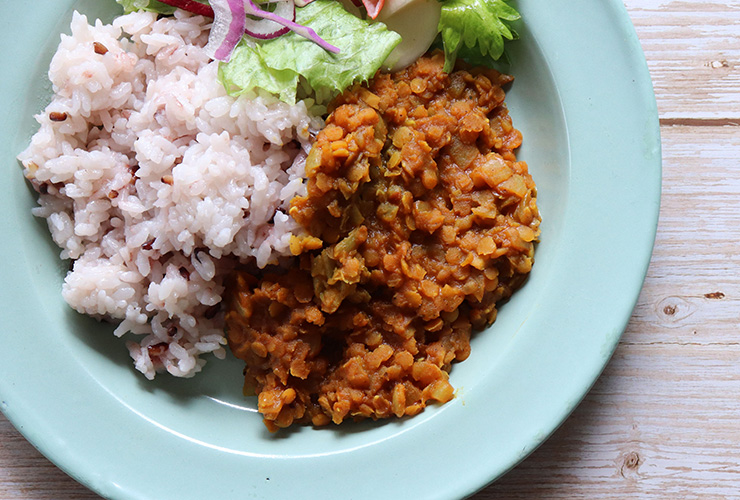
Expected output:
(660, 423)
(693, 54)
(694, 279)
(26, 474)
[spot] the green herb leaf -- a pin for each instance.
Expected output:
(150, 5)
(267, 64)
(479, 24)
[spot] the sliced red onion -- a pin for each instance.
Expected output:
(230, 23)
(263, 29)
(303, 31)
(303, 3)
(227, 30)
(191, 6)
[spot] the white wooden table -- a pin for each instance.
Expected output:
(663, 421)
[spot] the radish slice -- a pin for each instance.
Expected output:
(303, 31)
(373, 7)
(227, 30)
(263, 29)
(191, 6)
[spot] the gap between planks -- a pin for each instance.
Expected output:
(699, 122)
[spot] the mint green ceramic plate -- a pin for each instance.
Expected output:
(584, 101)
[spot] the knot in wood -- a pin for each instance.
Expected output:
(673, 310)
(629, 464)
(632, 460)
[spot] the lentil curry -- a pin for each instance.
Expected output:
(419, 220)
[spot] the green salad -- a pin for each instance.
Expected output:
(281, 46)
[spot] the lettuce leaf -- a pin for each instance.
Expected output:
(275, 65)
(477, 24)
(247, 70)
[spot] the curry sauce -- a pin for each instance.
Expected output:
(419, 219)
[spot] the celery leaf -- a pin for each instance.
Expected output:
(477, 24)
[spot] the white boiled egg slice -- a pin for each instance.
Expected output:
(416, 21)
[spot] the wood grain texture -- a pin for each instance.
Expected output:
(26, 474)
(664, 419)
(693, 53)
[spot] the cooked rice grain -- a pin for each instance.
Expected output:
(155, 182)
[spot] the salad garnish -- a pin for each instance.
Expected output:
(296, 28)
(167, 7)
(319, 43)
(373, 7)
(230, 23)
(276, 65)
(228, 27)
(264, 29)
(481, 25)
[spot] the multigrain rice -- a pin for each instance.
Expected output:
(155, 182)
